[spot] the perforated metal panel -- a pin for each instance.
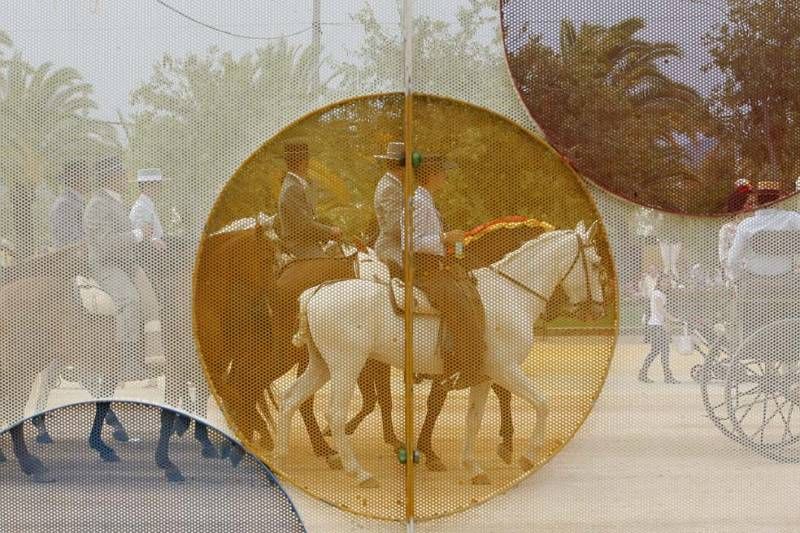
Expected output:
(78, 489)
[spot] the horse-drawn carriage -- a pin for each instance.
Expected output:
(748, 334)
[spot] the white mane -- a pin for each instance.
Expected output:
(541, 240)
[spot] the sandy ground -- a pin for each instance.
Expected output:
(647, 459)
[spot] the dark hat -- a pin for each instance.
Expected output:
(109, 167)
(74, 171)
(295, 149)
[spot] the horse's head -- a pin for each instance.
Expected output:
(583, 282)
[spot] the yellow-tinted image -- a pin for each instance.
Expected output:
(298, 305)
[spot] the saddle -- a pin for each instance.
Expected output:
(421, 305)
(94, 300)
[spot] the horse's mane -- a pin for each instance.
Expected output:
(541, 240)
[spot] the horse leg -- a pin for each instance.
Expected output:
(2, 456)
(519, 384)
(383, 389)
(42, 434)
(477, 406)
(304, 387)
(343, 384)
(366, 385)
(120, 434)
(506, 448)
(163, 461)
(321, 448)
(209, 451)
(49, 380)
(95, 436)
(436, 398)
(28, 463)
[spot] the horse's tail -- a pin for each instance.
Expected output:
(303, 335)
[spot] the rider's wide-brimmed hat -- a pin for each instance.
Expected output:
(433, 161)
(150, 175)
(395, 151)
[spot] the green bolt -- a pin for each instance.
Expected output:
(416, 159)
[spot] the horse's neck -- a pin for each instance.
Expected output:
(541, 264)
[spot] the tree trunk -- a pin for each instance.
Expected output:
(21, 213)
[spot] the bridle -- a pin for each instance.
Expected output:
(580, 255)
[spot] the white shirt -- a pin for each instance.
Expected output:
(137, 232)
(658, 308)
(427, 224)
(742, 257)
(144, 212)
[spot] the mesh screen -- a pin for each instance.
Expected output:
(668, 105)
(85, 493)
(675, 110)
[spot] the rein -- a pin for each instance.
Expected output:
(581, 254)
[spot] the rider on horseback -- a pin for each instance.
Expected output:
(446, 283)
(112, 257)
(302, 234)
(388, 203)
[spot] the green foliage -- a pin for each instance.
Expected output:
(758, 104)
(44, 122)
(200, 116)
(603, 100)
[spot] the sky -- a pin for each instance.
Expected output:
(114, 43)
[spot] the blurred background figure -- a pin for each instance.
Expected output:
(657, 332)
(66, 213)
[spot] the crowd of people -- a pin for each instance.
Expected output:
(751, 268)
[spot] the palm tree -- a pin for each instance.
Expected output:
(620, 115)
(44, 120)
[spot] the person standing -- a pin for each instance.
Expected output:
(66, 213)
(302, 234)
(657, 332)
(388, 203)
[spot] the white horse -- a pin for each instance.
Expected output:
(345, 323)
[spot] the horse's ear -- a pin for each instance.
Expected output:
(592, 233)
(580, 229)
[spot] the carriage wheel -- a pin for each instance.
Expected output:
(762, 391)
(712, 377)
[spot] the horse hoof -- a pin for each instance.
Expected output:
(480, 479)
(30, 465)
(174, 475)
(181, 425)
(525, 463)
(106, 453)
(209, 452)
(434, 463)
(505, 451)
(120, 435)
(42, 476)
(369, 483)
(334, 462)
(44, 438)
(225, 449)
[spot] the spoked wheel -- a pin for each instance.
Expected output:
(712, 377)
(762, 391)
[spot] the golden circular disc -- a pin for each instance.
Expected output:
(500, 170)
